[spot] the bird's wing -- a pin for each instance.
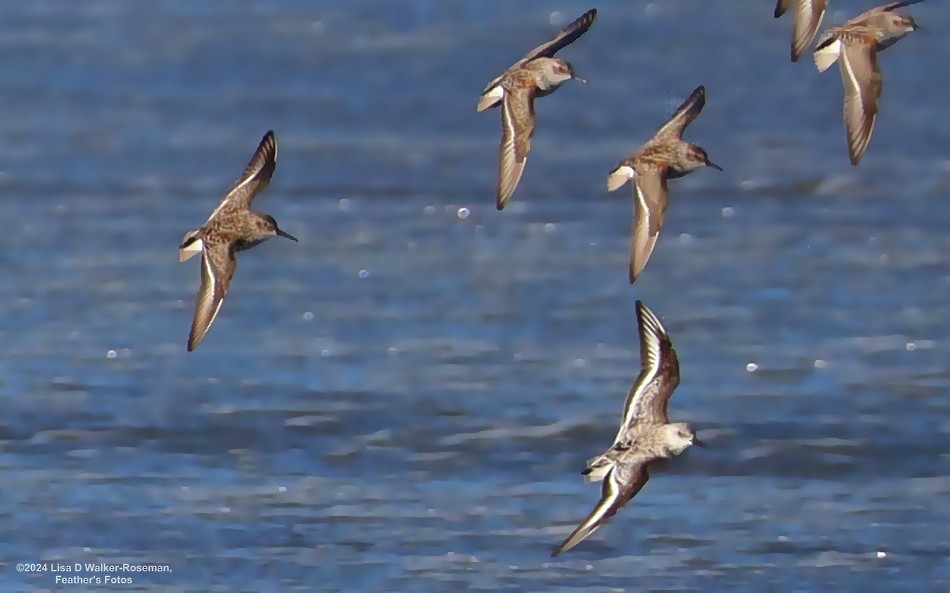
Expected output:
(256, 176)
(217, 268)
(861, 78)
(684, 114)
(621, 483)
(883, 8)
(517, 127)
(659, 375)
(566, 36)
(808, 16)
(650, 194)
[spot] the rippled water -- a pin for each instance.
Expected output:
(403, 400)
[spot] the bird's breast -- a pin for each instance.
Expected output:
(243, 244)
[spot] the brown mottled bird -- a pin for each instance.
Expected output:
(232, 227)
(854, 45)
(537, 74)
(665, 156)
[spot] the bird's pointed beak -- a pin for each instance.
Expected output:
(698, 442)
(709, 163)
(287, 236)
(578, 78)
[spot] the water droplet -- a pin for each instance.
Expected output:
(910, 346)
(550, 227)
(429, 210)
(344, 205)
(111, 354)
(325, 352)
(282, 489)
(727, 212)
(686, 238)
(364, 273)
(751, 367)
(392, 350)
(881, 554)
(463, 213)
(308, 316)
(821, 364)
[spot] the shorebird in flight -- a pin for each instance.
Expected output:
(646, 435)
(665, 156)
(854, 45)
(537, 74)
(232, 227)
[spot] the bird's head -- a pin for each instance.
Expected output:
(699, 157)
(557, 71)
(679, 436)
(902, 24)
(273, 229)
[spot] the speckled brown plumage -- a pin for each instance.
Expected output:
(665, 156)
(232, 227)
(855, 46)
(535, 75)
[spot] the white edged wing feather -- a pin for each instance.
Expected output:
(517, 125)
(621, 484)
(217, 268)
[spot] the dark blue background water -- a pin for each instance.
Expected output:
(403, 400)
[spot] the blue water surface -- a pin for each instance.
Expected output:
(403, 400)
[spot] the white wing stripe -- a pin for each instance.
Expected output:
(212, 290)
